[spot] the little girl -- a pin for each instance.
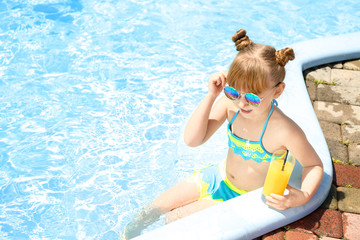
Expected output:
(256, 128)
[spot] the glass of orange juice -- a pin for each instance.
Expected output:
(279, 172)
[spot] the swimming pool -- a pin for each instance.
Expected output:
(95, 95)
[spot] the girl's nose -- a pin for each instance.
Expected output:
(242, 102)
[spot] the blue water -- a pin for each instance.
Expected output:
(94, 96)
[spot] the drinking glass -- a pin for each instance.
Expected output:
(279, 172)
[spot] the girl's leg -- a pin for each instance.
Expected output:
(189, 209)
(180, 195)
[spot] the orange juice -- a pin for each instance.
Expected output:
(278, 177)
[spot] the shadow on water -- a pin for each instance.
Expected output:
(52, 11)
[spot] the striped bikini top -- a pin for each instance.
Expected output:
(250, 149)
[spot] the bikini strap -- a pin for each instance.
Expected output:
(232, 120)
(274, 102)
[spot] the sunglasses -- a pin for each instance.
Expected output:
(251, 98)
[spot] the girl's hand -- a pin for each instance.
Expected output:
(217, 83)
(295, 198)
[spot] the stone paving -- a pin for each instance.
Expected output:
(335, 92)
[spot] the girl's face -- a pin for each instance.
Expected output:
(246, 104)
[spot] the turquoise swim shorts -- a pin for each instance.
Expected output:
(214, 185)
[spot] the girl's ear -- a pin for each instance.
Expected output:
(279, 90)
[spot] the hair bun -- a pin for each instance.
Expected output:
(284, 55)
(241, 40)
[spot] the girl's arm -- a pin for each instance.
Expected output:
(207, 119)
(312, 173)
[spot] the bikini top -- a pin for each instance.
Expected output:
(250, 149)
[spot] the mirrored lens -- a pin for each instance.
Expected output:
(252, 99)
(231, 93)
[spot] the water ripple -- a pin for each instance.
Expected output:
(94, 96)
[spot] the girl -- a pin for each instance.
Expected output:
(256, 128)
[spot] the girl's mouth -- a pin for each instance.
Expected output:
(245, 111)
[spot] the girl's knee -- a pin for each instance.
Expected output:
(172, 216)
(162, 206)
(189, 209)
(180, 212)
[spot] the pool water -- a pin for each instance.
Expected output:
(94, 97)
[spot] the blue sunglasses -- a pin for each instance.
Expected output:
(251, 98)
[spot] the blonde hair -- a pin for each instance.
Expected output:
(256, 65)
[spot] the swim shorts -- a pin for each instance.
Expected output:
(214, 185)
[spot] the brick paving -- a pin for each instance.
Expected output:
(335, 92)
